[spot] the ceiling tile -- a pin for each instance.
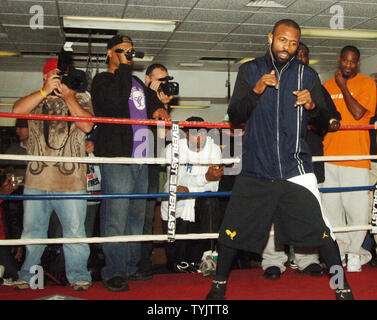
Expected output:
(153, 12)
(91, 10)
(224, 28)
(210, 15)
(214, 28)
(303, 7)
(323, 21)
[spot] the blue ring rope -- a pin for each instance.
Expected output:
(154, 195)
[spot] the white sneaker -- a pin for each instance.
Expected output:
(293, 264)
(353, 263)
(1, 271)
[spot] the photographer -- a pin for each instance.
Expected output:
(60, 95)
(118, 94)
(156, 78)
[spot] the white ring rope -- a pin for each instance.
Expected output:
(342, 158)
(127, 160)
(139, 238)
(116, 160)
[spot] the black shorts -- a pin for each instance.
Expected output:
(256, 204)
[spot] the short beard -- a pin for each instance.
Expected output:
(276, 59)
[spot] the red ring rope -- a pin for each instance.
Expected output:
(114, 120)
(150, 122)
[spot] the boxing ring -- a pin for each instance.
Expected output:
(196, 285)
(172, 196)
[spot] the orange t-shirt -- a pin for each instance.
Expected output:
(351, 142)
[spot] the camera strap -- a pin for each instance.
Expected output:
(46, 128)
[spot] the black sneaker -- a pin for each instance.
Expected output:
(116, 284)
(344, 294)
(314, 270)
(142, 275)
(373, 262)
(217, 290)
(272, 273)
(185, 267)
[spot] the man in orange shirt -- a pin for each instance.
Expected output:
(354, 96)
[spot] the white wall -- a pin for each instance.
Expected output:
(14, 85)
(369, 66)
(324, 76)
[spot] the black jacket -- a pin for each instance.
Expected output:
(110, 93)
(274, 144)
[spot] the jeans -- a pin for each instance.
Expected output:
(122, 217)
(71, 214)
(147, 246)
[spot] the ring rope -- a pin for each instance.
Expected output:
(128, 160)
(223, 125)
(207, 194)
(115, 160)
(140, 238)
(343, 158)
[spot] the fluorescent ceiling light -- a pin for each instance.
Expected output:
(39, 56)
(189, 107)
(9, 54)
(313, 61)
(265, 4)
(241, 61)
(119, 24)
(85, 58)
(85, 44)
(93, 36)
(103, 58)
(191, 64)
(338, 33)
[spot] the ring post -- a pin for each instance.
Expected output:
(173, 180)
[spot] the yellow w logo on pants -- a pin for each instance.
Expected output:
(231, 234)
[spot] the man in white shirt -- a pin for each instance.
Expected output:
(193, 215)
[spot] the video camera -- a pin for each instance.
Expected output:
(168, 88)
(73, 78)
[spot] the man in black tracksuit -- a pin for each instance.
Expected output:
(276, 95)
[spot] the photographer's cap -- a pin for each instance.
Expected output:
(51, 64)
(117, 40)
